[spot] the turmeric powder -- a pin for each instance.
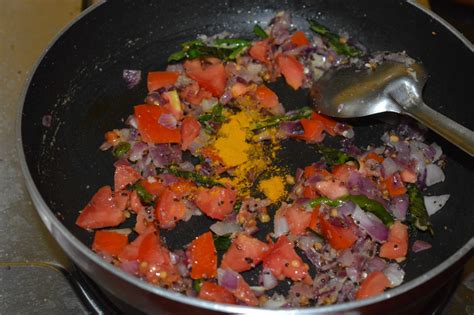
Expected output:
(273, 188)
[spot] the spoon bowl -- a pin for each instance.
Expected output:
(391, 87)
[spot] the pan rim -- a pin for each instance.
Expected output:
(54, 225)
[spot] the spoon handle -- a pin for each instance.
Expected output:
(455, 133)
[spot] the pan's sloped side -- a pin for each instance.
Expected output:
(78, 82)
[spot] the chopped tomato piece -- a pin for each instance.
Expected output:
(298, 219)
(394, 185)
(343, 171)
(135, 203)
(313, 131)
(328, 123)
(374, 156)
(112, 137)
(110, 243)
(311, 170)
(209, 74)
(244, 253)
(242, 292)
(313, 224)
(408, 176)
(397, 244)
(283, 261)
(215, 293)
(375, 283)
(260, 51)
(193, 94)
(338, 237)
(266, 97)
(216, 202)
(292, 70)
(310, 192)
(130, 252)
(332, 188)
(183, 188)
(159, 79)
(239, 89)
(155, 261)
(299, 39)
(173, 105)
(190, 130)
(104, 210)
(203, 257)
(154, 186)
(169, 209)
(151, 130)
(125, 175)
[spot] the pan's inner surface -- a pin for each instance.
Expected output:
(79, 84)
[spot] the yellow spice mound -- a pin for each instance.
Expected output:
(273, 188)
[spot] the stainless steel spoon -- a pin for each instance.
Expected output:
(391, 87)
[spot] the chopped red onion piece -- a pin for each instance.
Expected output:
(224, 228)
(130, 267)
(46, 121)
(137, 151)
(434, 203)
(395, 274)
(389, 167)
(291, 128)
(420, 245)
(399, 206)
(131, 77)
(228, 279)
(346, 258)
(276, 301)
(434, 175)
(168, 179)
(370, 223)
(168, 121)
(376, 264)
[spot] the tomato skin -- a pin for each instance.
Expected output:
(151, 131)
(104, 210)
(283, 261)
(125, 175)
(266, 97)
(313, 131)
(338, 237)
(260, 51)
(313, 223)
(239, 89)
(210, 74)
(299, 39)
(292, 70)
(190, 130)
(216, 202)
(130, 252)
(244, 253)
(397, 244)
(203, 257)
(311, 170)
(215, 293)
(243, 292)
(108, 242)
(169, 209)
(408, 176)
(375, 283)
(159, 79)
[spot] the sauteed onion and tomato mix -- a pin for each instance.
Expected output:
(205, 143)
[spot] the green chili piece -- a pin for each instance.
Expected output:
(340, 47)
(260, 32)
(334, 156)
(362, 201)
(222, 243)
(304, 112)
(197, 284)
(197, 178)
(419, 217)
(121, 149)
(142, 193)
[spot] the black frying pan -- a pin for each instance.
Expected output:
(78, 82)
